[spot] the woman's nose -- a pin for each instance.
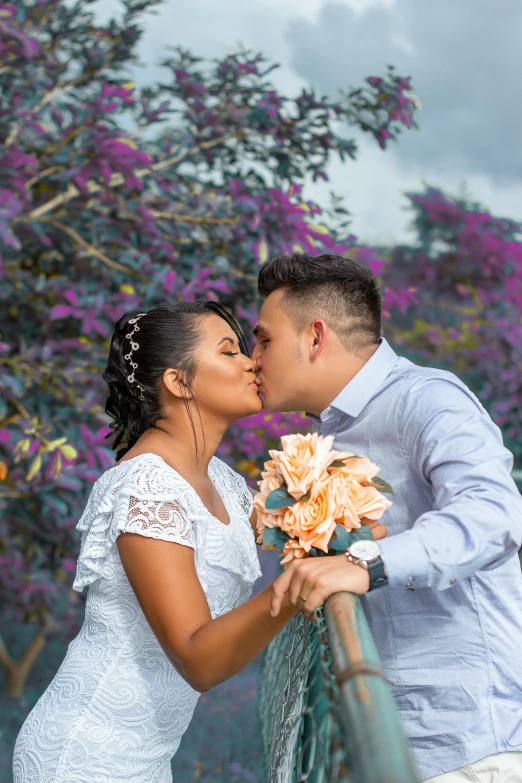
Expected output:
(249, 364)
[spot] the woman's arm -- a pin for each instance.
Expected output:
(204, 651)
(253, 517)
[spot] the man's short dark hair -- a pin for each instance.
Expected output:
(342, 292)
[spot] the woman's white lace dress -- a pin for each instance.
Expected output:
(117, 709)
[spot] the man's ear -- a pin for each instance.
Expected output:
(318, 338)
(174, 383)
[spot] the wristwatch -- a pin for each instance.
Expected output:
(368, 555)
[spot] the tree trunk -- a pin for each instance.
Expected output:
(18, 671)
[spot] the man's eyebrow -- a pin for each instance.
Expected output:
(261, 328)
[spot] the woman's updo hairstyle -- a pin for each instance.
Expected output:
(167, 336)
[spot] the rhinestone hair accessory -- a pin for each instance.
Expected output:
(134, 346)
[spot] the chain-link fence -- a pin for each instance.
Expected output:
(327, 714)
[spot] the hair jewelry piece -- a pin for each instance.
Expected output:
(134, 347)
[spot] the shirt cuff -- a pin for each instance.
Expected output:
(407, 564)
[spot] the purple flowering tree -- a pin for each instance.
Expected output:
(467, 269)
(113, 198)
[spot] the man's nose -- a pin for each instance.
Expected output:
(256, 357)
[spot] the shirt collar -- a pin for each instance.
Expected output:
(363, 386)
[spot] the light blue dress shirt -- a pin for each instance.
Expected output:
(451, 647)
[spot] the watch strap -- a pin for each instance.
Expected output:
(377, 574)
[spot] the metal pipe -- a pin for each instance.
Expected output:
(376, 745)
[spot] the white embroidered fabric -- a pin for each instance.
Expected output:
(117, 709)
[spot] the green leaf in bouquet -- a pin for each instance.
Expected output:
(279, 498)
(382, 485)
(274, 536)
(363, 533)
(304, 498)
(342, 539)
(341, 463)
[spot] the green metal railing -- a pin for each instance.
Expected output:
(327, 713)
(326, 710)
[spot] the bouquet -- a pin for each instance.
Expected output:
(313, 499)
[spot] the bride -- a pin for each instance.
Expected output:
(168, 555)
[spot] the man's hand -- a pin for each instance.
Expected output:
(309, 582)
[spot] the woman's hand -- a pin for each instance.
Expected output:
(308, 583)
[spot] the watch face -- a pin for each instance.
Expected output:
(365, 550)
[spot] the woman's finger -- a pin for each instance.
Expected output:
(279, 589)
(306, 588)
(315, 600)
(296, 586)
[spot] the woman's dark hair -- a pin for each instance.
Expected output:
(330, 286)
(167, 337)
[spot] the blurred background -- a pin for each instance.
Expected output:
(161, 151)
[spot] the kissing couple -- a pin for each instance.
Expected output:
(168, 549)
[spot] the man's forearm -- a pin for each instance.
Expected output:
(471, 534)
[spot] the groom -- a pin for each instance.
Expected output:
(444, 589)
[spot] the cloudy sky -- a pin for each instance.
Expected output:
(465, 57)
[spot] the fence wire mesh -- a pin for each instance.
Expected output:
(299, 708)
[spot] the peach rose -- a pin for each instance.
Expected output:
(345, 512)
(369, 502)
(302, 461)
(292, 550)
(361, 468)
(270, 480)
(283, 520)
(314, 521)
(277, 517)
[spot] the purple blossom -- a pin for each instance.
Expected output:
(97, 219)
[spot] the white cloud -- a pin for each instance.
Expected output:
(374, 184)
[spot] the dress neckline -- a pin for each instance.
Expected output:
(211, 471)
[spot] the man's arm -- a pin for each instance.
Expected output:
(476, 522)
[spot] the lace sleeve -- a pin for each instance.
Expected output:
(144, 497)
(165, 519)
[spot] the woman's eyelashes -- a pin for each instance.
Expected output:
(230, 353)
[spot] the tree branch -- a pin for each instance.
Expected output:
(20, 408)
(5, 659)
(80, 241)
(199, 219)
(58, 90)
(10, 420)
(44, 173)
(115, 180)
(17, 672)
